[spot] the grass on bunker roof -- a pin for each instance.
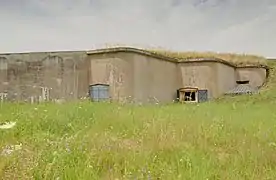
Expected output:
(237, 59)
(230, 138)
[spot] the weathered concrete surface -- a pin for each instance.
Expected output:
(132, 76)
(135, 77)
(114, 69)
(155, 80)
(200, 75)
(25, 75)
(216, 77)
(226, 79)
(256, 76)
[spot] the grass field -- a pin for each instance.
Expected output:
(230, 138)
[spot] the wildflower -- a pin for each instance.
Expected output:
(10, 149)
(272, 144)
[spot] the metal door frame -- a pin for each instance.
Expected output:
(202, 91)
(97, 98)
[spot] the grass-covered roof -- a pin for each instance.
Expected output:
(237, 59)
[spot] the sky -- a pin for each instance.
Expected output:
(239, 26)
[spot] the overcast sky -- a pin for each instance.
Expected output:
(244, 26)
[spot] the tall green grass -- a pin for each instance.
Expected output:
(231, 138)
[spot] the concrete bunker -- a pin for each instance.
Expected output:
(121, 74)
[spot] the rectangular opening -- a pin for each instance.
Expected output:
(187, 94)
(243, 82)
(190, 96)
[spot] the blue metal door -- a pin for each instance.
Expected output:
(99, 92)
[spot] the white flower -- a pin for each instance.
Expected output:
(8, 125)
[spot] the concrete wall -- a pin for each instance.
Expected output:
(135, 77)
(256, 76)
(131, 76)
(24, 75)
(114, 69)
(155, 79)
(199, 74)
(226, 78)
(216, 77)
